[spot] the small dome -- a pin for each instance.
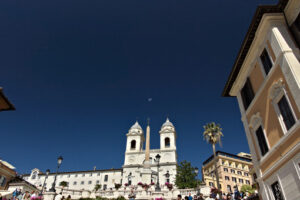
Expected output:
(136, 126)
(167, 123)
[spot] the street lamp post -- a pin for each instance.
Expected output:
(59, 160)
(197, 171)
(47, 173)
(157, 188)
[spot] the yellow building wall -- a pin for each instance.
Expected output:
(270, 121)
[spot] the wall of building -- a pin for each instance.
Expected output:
(283, 79)
(238, 166)
(6, 174)
(78, 180)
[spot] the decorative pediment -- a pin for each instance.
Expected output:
(277, 89)
(255, 121)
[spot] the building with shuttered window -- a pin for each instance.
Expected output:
(265, 79)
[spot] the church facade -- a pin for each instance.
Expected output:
(140, 165)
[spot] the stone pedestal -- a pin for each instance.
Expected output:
(158, 194)
(86, 194)
(49, 195)
(146, 175)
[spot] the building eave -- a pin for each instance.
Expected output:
(230, 156)
(78, 172)
(247, 42)
(9, 106)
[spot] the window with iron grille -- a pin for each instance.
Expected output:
(276, 189)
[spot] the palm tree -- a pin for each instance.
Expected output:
(212, 134)
(63, 184)
(97, 187)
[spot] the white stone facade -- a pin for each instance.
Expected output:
(131, 171)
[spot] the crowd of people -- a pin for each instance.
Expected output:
(34, 195)
(190, 197)
(19, 195)
(216, 196)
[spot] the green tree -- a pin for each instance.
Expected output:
(186, 176)
(212, 134)
(97, 187)
(247, 188)
(63, 184)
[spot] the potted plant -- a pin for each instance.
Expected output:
(169, 186)
(146, 186)
(97, 187)
(140, 184)
(117, 186)
(63, 184)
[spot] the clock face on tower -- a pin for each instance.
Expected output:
(131, 159)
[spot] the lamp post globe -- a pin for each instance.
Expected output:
(59, 160)
(157, 157)
(196, 170)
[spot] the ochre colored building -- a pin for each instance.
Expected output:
(233, 170)
(265, 79)
(7, 173)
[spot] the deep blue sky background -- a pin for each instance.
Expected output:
(80, 72)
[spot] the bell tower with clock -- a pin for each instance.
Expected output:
(135, 141)
(140, 165)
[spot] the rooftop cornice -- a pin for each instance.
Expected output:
(246, 44)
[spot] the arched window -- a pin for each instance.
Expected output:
(132, 144)
(167, 142)
(34, 175)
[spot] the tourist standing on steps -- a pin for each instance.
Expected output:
(26, 196)
(179, 197)
(58, 197)
(190, 196)
(131, 196)
(201, 197)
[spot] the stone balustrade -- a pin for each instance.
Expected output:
(140, 193)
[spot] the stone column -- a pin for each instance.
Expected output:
(146, 171)
(147, 150)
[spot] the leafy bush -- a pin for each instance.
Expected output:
(103, 198)
(247, 188)
(186, 176)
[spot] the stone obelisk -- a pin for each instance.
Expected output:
(147, 150)
(146, 171)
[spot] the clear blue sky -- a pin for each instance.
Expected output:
(80, 72)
